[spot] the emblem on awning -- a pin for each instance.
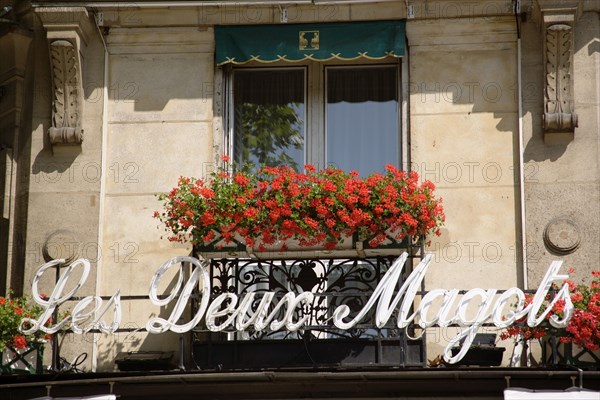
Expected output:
(305, 37)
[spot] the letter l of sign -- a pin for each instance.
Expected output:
(55, 298)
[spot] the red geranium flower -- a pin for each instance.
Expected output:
(315, 207)
(19, 342)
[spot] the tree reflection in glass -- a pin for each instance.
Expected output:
(269, 115)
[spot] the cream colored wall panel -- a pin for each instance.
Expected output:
(132, 243)
(464, 151)
(129, 219)
(489, 271)
(578, 158)
(132, 252)
(472, 164)
(66, 172)
(170, 150)
(470, 33)
(75, 213)
(470, 82)
(479, 231)
(471, 67)
(161, 87)
(160, 40)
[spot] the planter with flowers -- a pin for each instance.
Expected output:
(579, 342)
(20, 353)
(278, 212)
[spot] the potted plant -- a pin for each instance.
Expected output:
(268, 209)
(20, 353)
(581, 337)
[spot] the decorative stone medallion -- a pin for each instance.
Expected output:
(562, 236)
(61, 244)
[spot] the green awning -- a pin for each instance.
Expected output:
(321, 42)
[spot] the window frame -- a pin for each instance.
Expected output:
(378, 64)
(230, 131)
(315, 147)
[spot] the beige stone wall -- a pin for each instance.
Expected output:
(162, 122)
(562, 179)
(463, 125)
(63, 193)
(159, 128)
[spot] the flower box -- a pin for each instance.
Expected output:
(20, 352)
(579, 342)
(484, 356)
(277, 211)
(144, 361)
(272, 354)
(291, 249)
(22, 361)
(555, 352)
(483, 351)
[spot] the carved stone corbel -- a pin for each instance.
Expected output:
(68, 30)
(559, 113)
(560, 118)
(67, 95)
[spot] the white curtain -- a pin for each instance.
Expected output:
(362, 118)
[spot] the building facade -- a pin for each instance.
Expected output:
(105, 104)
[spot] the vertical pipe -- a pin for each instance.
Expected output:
(55, 347)
(521, 168)
(521, 148)
(102, 185)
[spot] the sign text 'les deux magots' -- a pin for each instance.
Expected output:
(469, 311)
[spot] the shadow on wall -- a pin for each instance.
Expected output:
(469, 83)
(151, 81)
(138, 339)
(594, 47)
(585, 40)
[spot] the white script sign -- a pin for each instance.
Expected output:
(388, 297)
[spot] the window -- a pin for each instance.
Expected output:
(269, 117)
(322, 114)
(362, 118)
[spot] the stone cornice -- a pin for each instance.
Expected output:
(72, 22)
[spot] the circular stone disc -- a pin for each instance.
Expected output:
(562, 236)
(61, 244)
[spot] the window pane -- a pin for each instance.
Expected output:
(269, 117)
(362, 118)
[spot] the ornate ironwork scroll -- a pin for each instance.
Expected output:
(334, 282)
